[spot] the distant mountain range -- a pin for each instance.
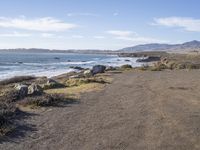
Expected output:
(185, 47)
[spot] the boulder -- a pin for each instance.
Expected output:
(98, 69)
(88, 73)
(35, 89)
(22, 90)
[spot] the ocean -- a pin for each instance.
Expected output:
(52, 64)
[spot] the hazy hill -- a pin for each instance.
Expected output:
(185, 47)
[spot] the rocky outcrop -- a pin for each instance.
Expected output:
(88, 73)
(22, 90)
(98, 69)
(35, 89)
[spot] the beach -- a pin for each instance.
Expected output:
(138, 110)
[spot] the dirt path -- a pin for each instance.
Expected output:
(138, 111)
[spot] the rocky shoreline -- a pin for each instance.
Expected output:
(28, 91)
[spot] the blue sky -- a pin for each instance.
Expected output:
(97, 24)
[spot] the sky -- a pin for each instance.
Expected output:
(97, 24)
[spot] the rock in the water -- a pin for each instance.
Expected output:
(149, 59)
(88, 73)
(22, 90)
(76, 67)
(98, 69)
(35, 89)
(56, 58)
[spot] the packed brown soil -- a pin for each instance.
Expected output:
(140, 110)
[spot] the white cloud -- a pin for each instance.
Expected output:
(15, 34)
(188, 24)
(82, 14)
(133, 37)
(77, 36)
(120, 32)
(140, 39)
(39, 24)
(99, 37)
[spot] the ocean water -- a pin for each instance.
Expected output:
(52, 64)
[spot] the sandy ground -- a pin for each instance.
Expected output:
(138, 111)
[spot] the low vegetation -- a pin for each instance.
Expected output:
(126, 67)
(42, 100)
(174, 62)
(52, 86)
(7, 112)
(80, 81)
(16, 80)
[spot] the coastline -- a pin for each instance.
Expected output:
(50, 64)
(93, 101)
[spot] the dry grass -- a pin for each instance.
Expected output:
(42, 100)
(7, 111)
(80, 81)
(76, 91)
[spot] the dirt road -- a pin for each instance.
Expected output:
(138, 111)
